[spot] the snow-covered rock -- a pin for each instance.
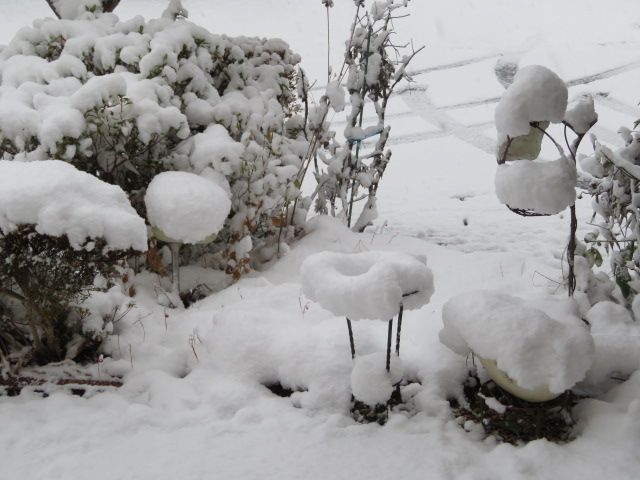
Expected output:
(369, 285)
(370, 381)
(546, 187)
(58, 200)
(186, 207)
(537, 344)
(536, 95)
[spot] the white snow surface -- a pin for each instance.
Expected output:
(366, 285)
(547, 346)
(186, 207)
(182, 417)
(536, 95)
(370, 381)
(540, 185)
(59, 200)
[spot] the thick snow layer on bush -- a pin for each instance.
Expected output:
(543, 186)
(216, 149)
(368, 285)
(544, 345)
(581, 113)
(186, 207)
(370, 381)
(61, 200)
(132, 98)
(536, 95)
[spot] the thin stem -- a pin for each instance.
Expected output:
(175, 267)
(328, 46)
(571, 251)
(389, 335)
(399, 330)
(351, 342)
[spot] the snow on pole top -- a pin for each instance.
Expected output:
(581, 113)
(59, 200)
(543, 345)
(536, 95)
(366, 285)
(186, 207)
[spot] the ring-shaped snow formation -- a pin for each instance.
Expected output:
(366, 285)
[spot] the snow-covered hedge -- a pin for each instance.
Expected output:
(125, 100)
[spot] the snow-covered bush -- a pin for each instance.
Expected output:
(60, 230)
(614, 186)
(373, 67)
(126, 100)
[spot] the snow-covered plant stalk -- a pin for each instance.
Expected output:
(373, 66)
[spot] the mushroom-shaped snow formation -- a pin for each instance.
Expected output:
(547, 347)
(546, 187)
(370, 381)
(186, 207)
(369, 285)
(59, 200)
(536, 95)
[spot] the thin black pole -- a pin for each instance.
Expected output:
(389, 335)
(351, 342)
(399, 330)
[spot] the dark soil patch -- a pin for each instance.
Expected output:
(379, 413)
(279, 390)
(521, 421)
(11, 385)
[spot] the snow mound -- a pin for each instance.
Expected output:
(370, 381)
(368, 285)
(581, 113)
(617, 341)
(536, 95)
(543, 345)
(59, 200)
(546, 187)
(186, 207)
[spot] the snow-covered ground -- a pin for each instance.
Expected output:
(194, 404)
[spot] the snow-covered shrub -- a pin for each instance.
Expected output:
(43, 281)
(60, 230)
(126, 100)
(536, 97)
(615, 175)
(373, 67)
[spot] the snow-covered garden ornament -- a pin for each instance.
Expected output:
(526, 184)
(535, 350)
(185, 208)
(372, 286)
